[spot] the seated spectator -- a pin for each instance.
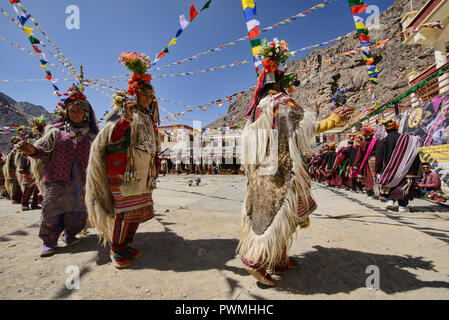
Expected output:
(430, 181)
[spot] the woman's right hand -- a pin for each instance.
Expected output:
(26, 148)
(129, 106)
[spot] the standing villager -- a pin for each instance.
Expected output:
(30, 190)
(350, 152)
(59, 163)
(366, 150)
(330, 165)
(124, 165)
(340, 165)
(279, 189)
(323, 164)
(27, 181)
(397, 166)
(317, 163)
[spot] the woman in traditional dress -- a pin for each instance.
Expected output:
(278, 190)
(362, 168)
(59, 163)
(124, 165)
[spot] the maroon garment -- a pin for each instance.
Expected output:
(367, 174)
(61, 158)
(338, 165)
(30, 191)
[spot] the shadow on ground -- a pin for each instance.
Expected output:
(398, 218)
(338, 270)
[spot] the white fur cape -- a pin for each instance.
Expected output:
(257, 136)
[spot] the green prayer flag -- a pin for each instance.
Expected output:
(33, 40)
(363, 31)
(166, 50)
(355, 2)
(206, 5)
(255, 42)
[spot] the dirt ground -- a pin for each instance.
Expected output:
(189, 251)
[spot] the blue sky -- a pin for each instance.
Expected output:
(109, 27)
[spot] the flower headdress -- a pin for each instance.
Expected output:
(273, 54)
(390, 124)
(14, 141)
(367, 131)
(76, 96)
(138, 64)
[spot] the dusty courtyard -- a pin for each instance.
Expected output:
(189, 251)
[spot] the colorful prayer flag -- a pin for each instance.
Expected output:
(206, 5)
(254, 33)
(193, 12)
(183, 22)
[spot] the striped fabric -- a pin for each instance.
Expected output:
(129, 203)
(306, 207)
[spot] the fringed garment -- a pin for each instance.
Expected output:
(279, 187)
(121, 177)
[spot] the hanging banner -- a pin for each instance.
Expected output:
(429, 121)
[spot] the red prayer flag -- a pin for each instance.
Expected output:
(358, 9)
(13, 1)
(363, 37)
(36, 49)
(162, 54)
(254, 33)
(193, 12)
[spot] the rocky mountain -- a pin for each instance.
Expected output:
(393, 62)
(15, 113)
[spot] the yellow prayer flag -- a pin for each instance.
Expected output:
(248, 4)
(256, 50)
(43, 67)
(359, 25)
(28, 30)
(287, 20)
(172, 42)
(320, 5)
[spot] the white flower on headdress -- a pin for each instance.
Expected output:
(270, 53)
(276, 42)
